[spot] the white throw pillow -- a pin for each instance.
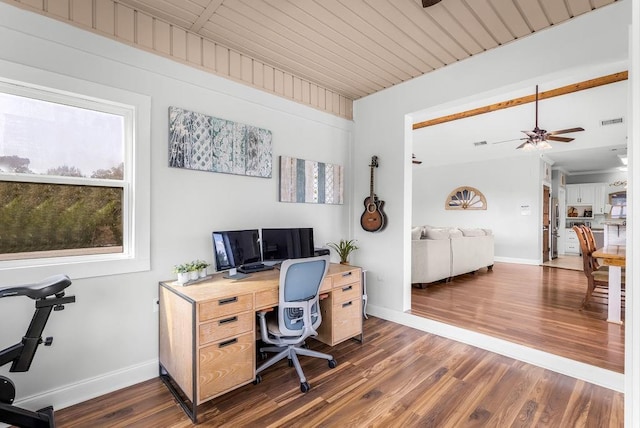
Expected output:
(434, 233)
(416, 233)
(473, 232)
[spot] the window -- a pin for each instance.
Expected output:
(66, 180)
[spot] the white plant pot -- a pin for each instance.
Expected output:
(183, 277)
(202, 272)
(193, 275)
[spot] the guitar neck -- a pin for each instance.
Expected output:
(371, 184)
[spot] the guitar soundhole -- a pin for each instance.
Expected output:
(372, 208)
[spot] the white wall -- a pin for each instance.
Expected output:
(507, 184)
(109, 337)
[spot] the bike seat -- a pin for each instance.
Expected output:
(47, 287)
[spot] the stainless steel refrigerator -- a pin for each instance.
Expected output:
(555, 219)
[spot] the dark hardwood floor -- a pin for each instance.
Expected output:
(536, 306)
(399, 377)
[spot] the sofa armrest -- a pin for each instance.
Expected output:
(430, 260)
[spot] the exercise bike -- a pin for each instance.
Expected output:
(49, 295)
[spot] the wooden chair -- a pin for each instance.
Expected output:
(591, 244)
(596, 278)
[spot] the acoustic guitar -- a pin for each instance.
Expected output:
(373, 218)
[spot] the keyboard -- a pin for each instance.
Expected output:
(254, 267)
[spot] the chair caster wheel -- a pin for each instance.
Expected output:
(257, 380)
(333, 364)
(304, 386)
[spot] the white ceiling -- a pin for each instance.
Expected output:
(595, 149)
(358, 47)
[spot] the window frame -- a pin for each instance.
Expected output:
(136, 110)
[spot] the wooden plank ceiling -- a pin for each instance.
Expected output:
(358, 47)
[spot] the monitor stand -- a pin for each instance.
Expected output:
(234, 274)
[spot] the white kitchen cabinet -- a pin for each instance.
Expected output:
(571, 243)
(600, 198)
(581, 194)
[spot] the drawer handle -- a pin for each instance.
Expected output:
(227, 343)
(227, 320)
(350, 287)
(227, 301)
(344, 305)
(347, 274)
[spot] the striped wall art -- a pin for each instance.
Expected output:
(310, 181)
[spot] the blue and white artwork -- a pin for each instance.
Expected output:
(207, 143)
(310, 181)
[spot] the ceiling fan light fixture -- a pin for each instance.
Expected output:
(543, 145)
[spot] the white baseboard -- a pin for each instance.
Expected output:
(87, 389)
(595, 375)
(517, 261)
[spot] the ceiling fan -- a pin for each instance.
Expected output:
(427, 3)
(537, 138)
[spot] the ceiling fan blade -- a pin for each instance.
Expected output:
(524, 144)
(428, 3)
(561, 139)
(508, 141)
(566, 131)
(530, 133)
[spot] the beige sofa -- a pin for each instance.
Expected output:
(439, 253)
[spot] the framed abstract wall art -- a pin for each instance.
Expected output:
(207, 143)
(310, 181)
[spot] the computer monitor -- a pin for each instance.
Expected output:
(287, 243)
(234, 248)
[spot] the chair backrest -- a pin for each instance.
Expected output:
(591, 244)
(587, 259)
(298, 307)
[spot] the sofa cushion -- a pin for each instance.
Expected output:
(434, 233)
(455, 233)
(473, 232)
(416, 233)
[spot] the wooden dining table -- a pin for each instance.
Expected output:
(613, 256)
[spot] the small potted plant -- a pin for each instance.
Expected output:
(183, 273)
(193, 271)
(201, 265)
(344, 248)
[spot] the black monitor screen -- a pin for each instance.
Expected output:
(234, 248)
(283, 244)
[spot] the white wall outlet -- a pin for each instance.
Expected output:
(156, 304)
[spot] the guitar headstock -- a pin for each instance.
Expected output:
(374, 161)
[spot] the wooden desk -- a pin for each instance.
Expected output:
(208, 333)
(613, 256)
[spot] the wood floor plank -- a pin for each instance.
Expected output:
(536, 306)
(400, 377)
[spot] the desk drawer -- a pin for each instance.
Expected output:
(267, 298)
(346, 292)
(222, 307)
(225, 365)
(345, 277)
(327, 284)
(347, 319)
(230, 326)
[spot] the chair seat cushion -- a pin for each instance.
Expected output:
(603, 275)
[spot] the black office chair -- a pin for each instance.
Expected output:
(298, 315)
(49, 295)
